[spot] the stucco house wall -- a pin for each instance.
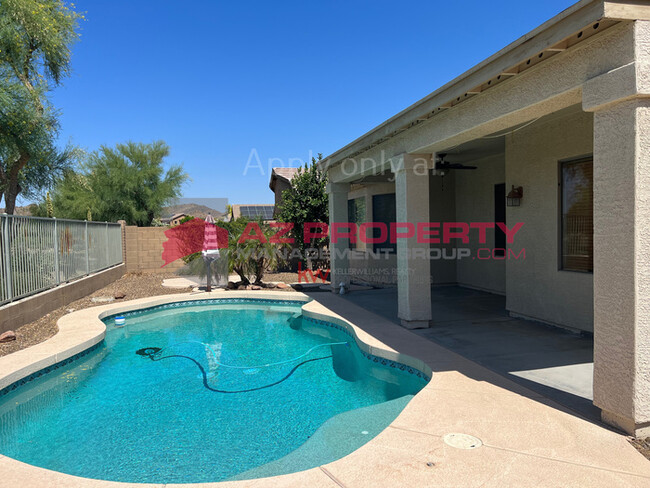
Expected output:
(475, 203)
(442, 208)
(280, 186)
(536, 287)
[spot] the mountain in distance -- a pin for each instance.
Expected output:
(193, 209)
(26, 210)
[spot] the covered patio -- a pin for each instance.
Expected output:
(562, 116)
(555, 363)
(526, 439)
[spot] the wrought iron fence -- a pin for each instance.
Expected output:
(39, 253)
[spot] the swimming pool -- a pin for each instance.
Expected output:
(239, 388)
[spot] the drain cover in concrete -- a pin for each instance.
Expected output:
(462, 441)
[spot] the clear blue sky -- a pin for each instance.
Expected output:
(217, 80)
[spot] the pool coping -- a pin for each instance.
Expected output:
(81, 331)
(527, 439)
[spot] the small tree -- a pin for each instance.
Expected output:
(156, 222)
(250, 258)
(263, 255)
(237, 259)
(35, 40)
(49, 206)
(187, 218)
(127, 182)
(71, 197)
(306, 201)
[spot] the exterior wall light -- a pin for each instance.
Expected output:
(514, 197)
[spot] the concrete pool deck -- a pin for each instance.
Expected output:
(528, 440)
(475, 324)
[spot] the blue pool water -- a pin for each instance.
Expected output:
(185, 416)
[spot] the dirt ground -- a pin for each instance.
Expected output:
(132, 285)
(281, 277)
(642, 445)
(294, 278)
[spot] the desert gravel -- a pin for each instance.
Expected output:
(132, 285)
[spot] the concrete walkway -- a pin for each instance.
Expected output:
(555, 363)
(528, 440)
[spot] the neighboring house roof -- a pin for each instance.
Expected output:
(253, 211)
(284, 174)
(173, 217)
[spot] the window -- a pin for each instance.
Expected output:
(577, 215)
(357, 215)
(383, 210)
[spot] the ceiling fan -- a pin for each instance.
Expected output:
(442, 165)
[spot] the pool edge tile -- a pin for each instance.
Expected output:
(83, 331)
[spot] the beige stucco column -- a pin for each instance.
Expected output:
(413, 271)
(338, 209)
(621, 107)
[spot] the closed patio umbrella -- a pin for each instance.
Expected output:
(210, 247)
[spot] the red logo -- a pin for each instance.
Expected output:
(189, 238)
(309, 276)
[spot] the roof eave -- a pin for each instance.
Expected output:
(573, 19)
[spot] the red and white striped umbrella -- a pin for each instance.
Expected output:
(210, 243)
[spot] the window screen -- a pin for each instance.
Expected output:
(577, 214)
(383, 210)
(357, 215)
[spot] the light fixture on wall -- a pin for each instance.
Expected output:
(514, 197)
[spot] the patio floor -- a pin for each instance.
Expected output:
(528, 439)
(555, 363)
